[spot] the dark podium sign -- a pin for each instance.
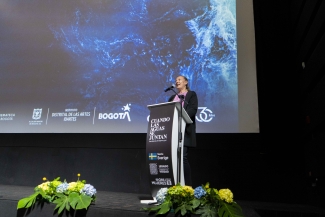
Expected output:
(166, 122)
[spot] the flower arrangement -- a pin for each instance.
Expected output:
(203, 200)
(75, 195)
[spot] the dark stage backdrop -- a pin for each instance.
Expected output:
(93, 66)
(115, 162)
(76, 78)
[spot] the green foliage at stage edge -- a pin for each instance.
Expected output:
(76, 195)
(203, 200)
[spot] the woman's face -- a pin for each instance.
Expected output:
(181, 83)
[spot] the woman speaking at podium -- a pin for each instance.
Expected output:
(190, 104)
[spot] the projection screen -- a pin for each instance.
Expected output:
(93, 66)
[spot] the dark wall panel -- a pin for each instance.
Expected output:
(110, 163)
(64, 140)
(121, 170)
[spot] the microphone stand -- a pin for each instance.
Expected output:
(180, 137)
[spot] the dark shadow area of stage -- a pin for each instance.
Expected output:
(244, 163)
(128, 204)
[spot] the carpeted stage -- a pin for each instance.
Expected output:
(128, 204)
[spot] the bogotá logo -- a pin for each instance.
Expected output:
(205, 115)
(117, 115)
(37, 113)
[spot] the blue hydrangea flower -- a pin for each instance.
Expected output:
(161, 194)
(62, 187)
(199, 192)
(88, 190)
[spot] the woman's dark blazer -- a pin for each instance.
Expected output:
(190, 106)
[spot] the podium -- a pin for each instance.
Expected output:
(164, 145)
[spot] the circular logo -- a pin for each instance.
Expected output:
(205, 115)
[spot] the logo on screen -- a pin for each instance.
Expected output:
(152, 156)
(7, 117)
(120, 115)
(37, 113)
(206, 115)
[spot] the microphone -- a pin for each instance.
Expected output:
(169, 88)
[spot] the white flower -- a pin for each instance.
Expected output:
(161, 194)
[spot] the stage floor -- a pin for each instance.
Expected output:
(128, 204)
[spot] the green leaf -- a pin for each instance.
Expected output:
(189, 208)
(207, 211)
(165, 207)
(61, 202)
(42, 193)
(183, 210)
(230, 210)
(196, 203)
(78, 201)
(206, 185)
(61, 208)
(152, 209)
(67, 207)
(178, 209)
(31, 202)
(22, 203)
(73, 198)
(27, 201)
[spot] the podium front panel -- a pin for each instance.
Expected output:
(159, 147)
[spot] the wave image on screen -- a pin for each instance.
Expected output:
(94, 66)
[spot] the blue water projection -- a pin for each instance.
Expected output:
(129, 51)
